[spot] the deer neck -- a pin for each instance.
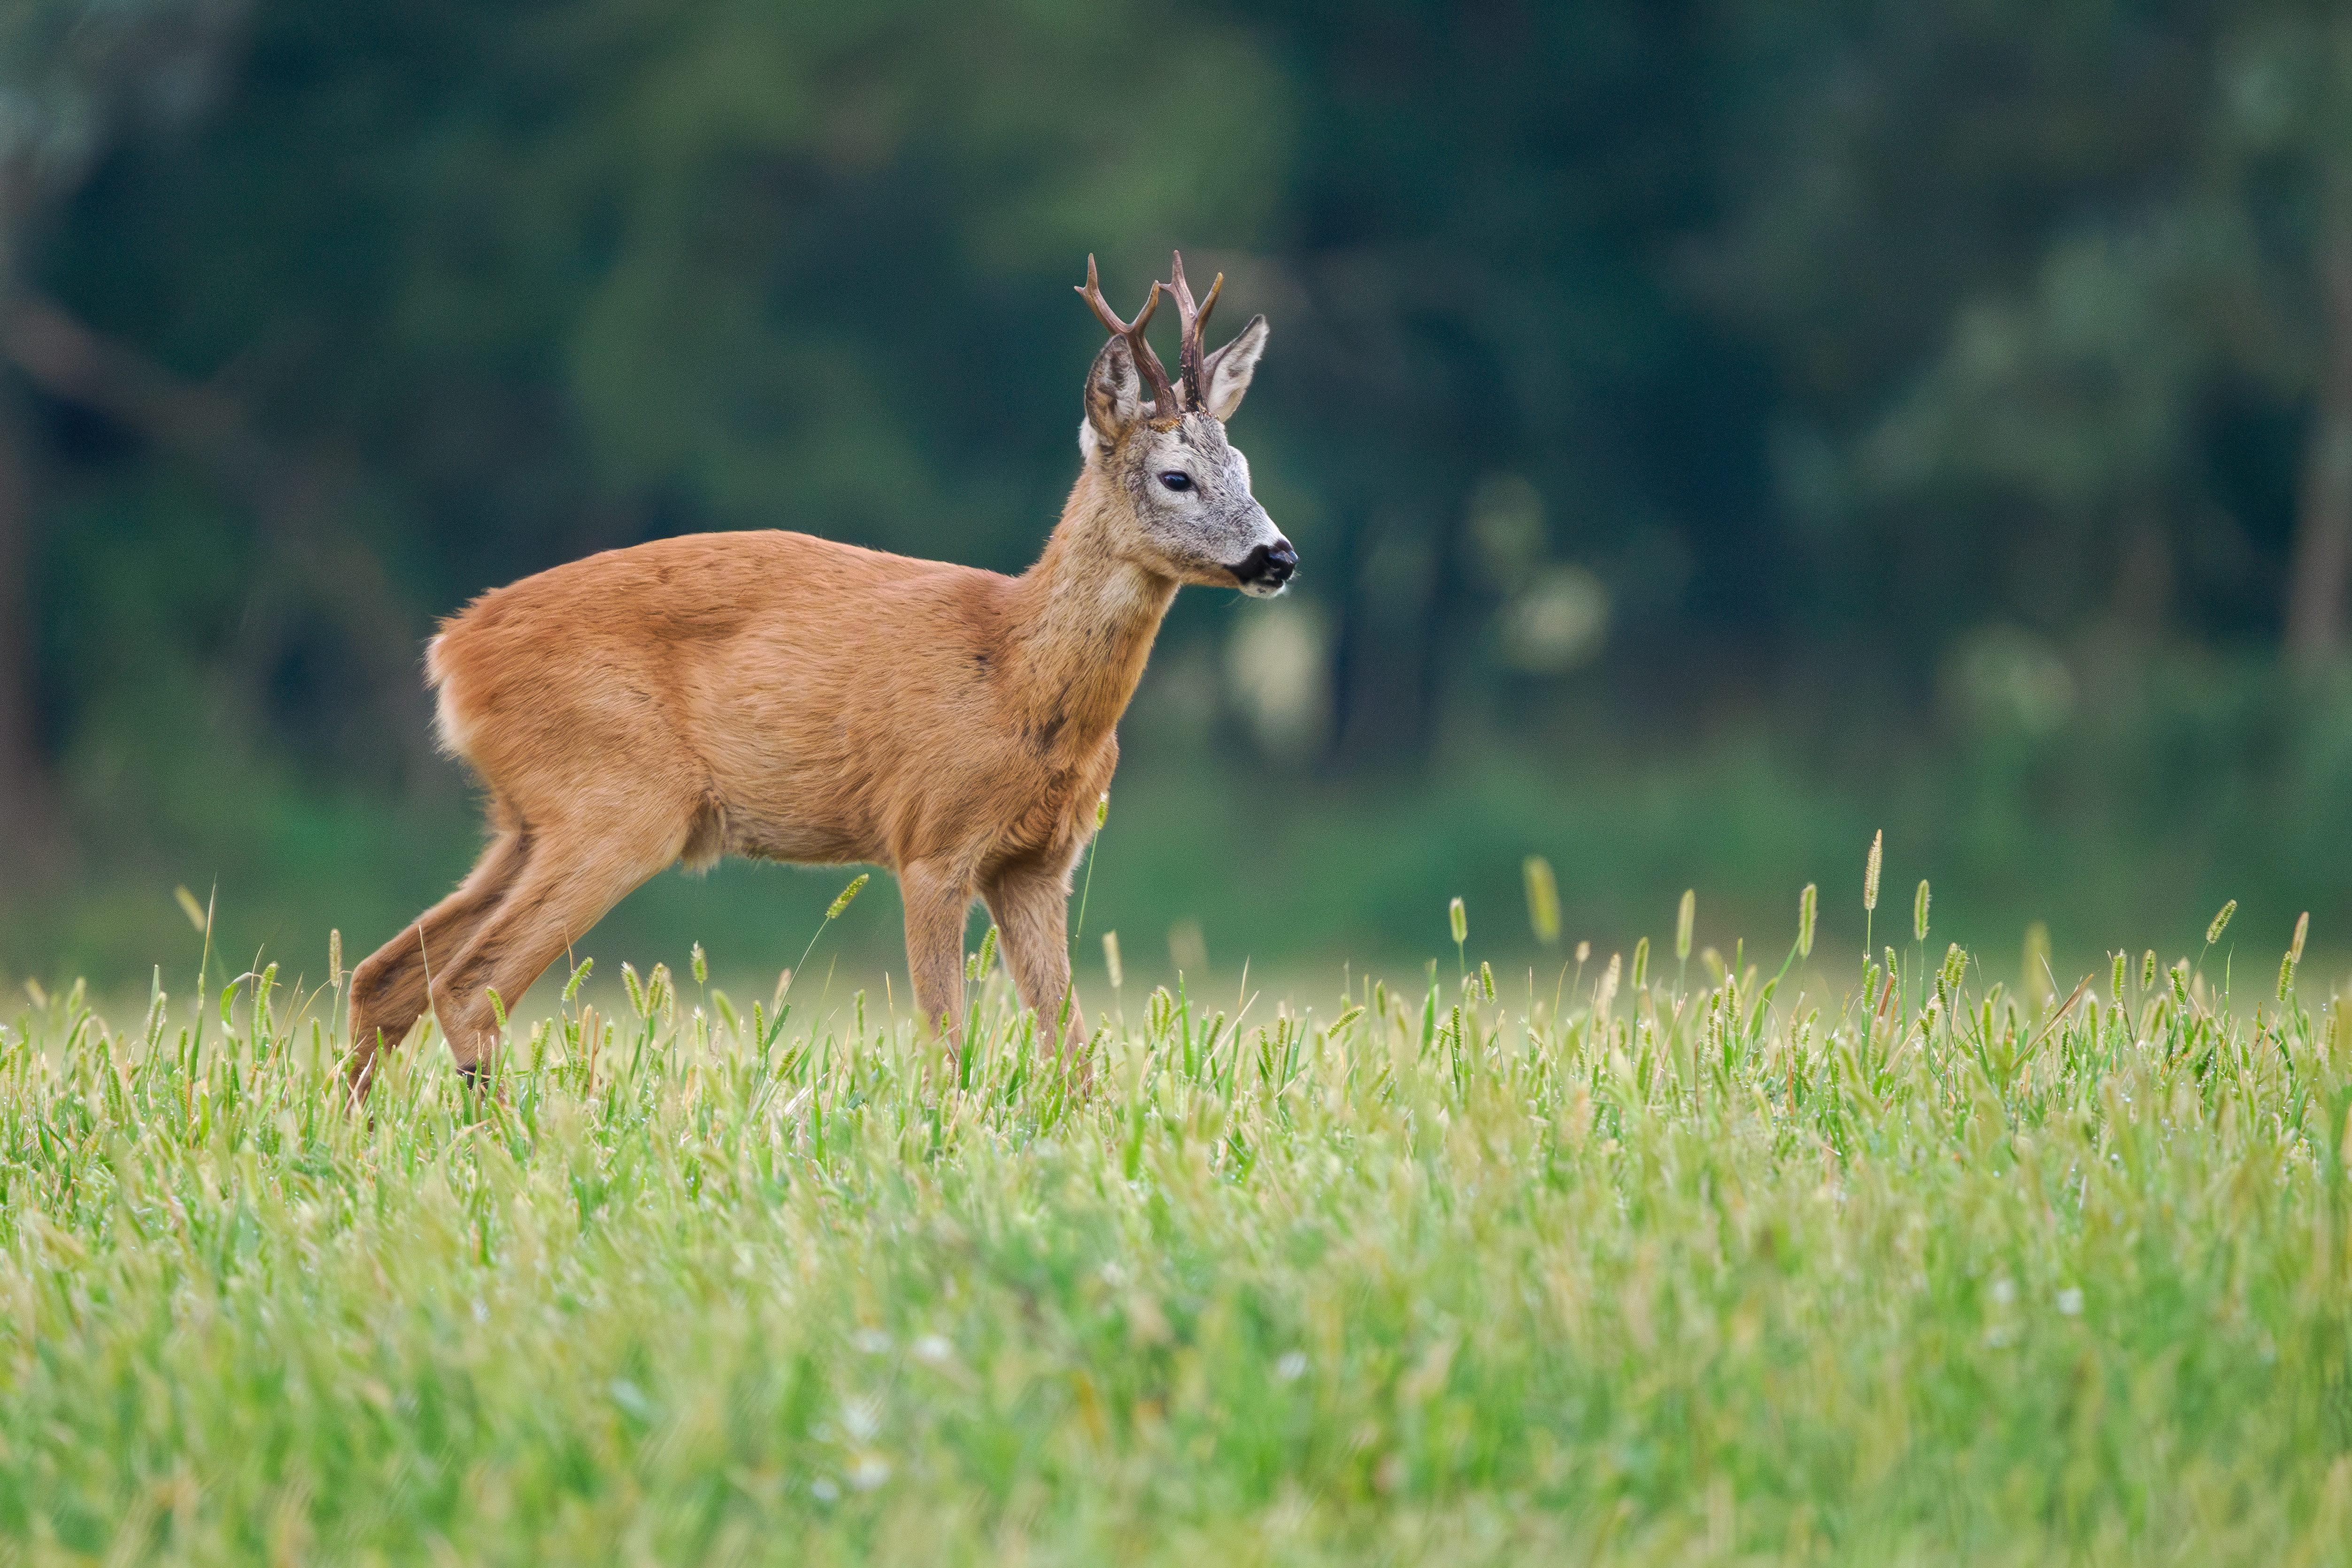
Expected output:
(1088, 616)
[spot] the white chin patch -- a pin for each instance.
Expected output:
(1262, 589)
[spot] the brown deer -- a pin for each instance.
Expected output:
(778, 696)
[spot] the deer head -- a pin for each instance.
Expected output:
(1186, 487)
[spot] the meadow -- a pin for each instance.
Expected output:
(1650, 1260)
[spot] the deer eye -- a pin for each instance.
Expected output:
(1176, 481)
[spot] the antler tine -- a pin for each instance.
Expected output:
(1147, 363)
(1192, 357)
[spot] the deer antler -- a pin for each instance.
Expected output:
(1163, 396)
(1192, 355)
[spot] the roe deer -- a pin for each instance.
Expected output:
(774, 695)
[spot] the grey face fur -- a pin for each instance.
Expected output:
(1189, 486)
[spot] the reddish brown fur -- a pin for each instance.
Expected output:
(791, 698)
(779, 696)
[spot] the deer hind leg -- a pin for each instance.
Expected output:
(1032, 908)
(936, 897)
(572, 880)
(388, 987)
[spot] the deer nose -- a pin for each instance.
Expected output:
(1271, 564)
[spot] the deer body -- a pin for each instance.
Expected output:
(783, 697)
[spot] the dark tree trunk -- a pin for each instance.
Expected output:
(33, 841)
(297, 500)
(2323, 536)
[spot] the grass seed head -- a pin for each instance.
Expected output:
(2180, 982)
(2123, 964)
(700, 965)
(1543, 900)
(1459, 920)
(1870, 869)
(2293, 957)
(1583, 950)
(1640, 963)
(1808, 903)
(1919, 912)
(335, 959)
(1684, 919)
(2147, 969)
(1486, 979)
(2221, 922)
(1110, 960)
(847, 895)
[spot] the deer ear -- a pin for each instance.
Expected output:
(1227, 374)
(1114, 394)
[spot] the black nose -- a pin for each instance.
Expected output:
(1268, 563)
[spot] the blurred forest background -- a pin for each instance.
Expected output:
(1713, 430)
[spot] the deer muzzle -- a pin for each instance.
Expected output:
(1264, 570)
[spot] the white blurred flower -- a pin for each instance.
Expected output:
(932, 1350)
(1557, 621)
(1279, 669)
(2069, 1301)
(1291, 1367)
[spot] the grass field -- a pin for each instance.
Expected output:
(1649, 1266)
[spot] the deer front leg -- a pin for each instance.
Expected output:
(936, 898)
(1032, 908)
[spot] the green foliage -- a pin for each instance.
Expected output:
(1815, 412)
(1746, 1273)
